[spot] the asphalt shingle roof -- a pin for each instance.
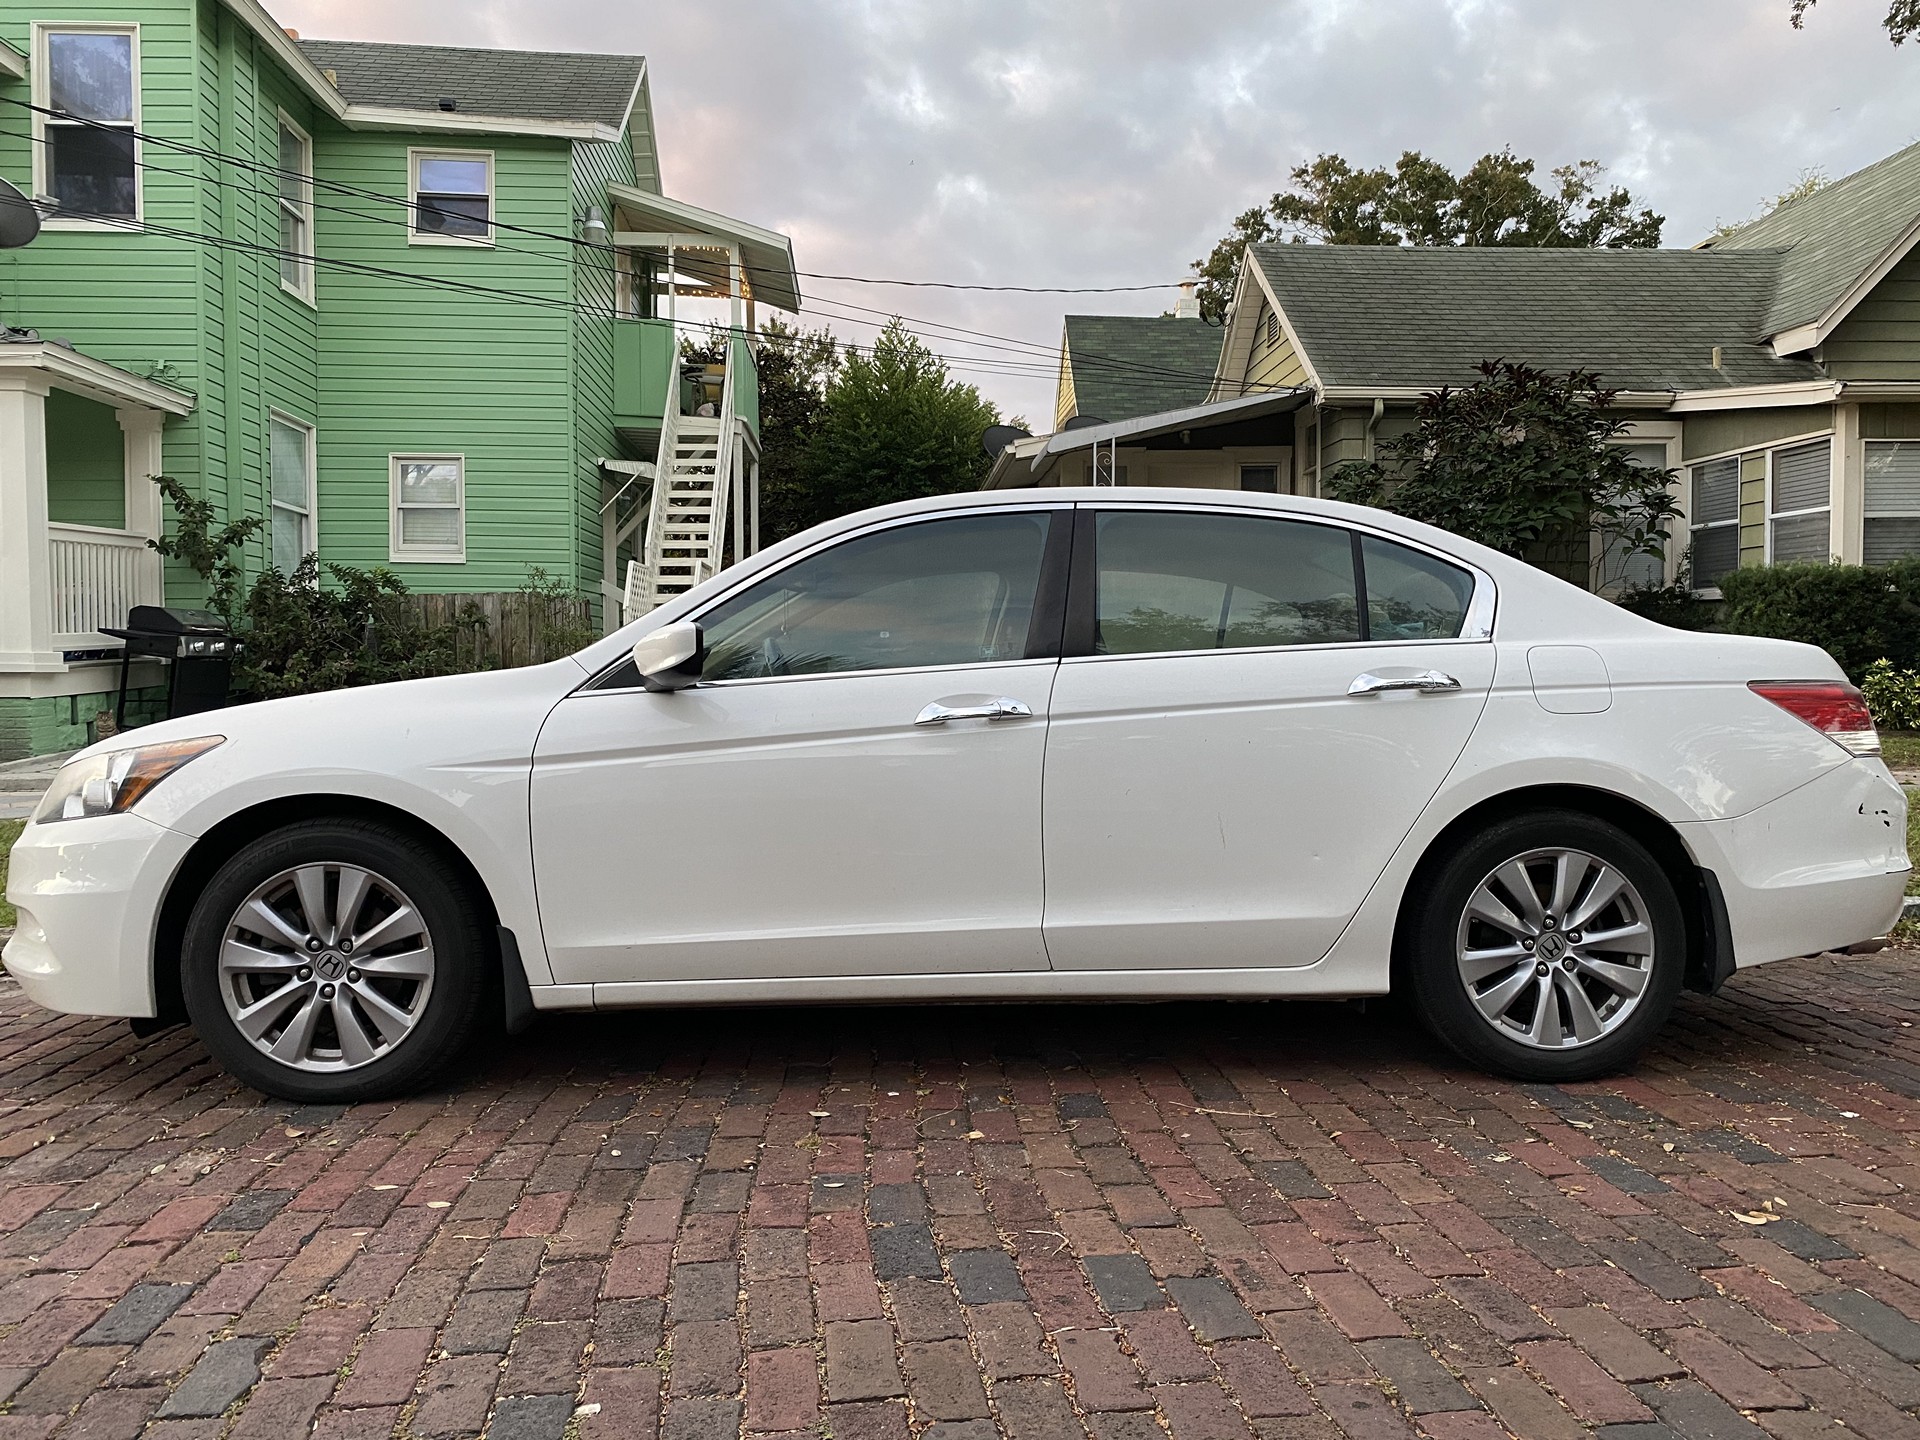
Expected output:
(1833, 236)
(1128, 365)
(1644, 319)
(522, 84)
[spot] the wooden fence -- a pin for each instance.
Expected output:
(518, 628)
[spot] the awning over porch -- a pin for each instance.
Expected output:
(62, 579)
(653, 222)
(1243, 420)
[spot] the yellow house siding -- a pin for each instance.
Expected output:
(1880, 340)
(1753, 510)
(1729, 430)
(1064, 403)
(1273, 363)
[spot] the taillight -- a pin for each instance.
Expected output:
(1833, 707)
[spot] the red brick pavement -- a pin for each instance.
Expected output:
(1117, 1221)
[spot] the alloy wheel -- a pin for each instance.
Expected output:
(1555, 948)
(326, 967)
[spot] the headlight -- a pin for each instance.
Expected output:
(108, 784)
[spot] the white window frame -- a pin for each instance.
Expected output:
(415, 554)
(311, 522)
(415, 154)
(1664, 433)
(1833, 468)
(42, 93)
(303, 212)
(1694, 527)
(1867, 515)
(1686, 465)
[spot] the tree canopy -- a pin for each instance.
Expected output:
(1902, 22)
(1419, 201)
(894, 425)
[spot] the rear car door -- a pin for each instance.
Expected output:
(1251, 712)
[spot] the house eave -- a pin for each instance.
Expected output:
(12, 63)
(1802, 338)
(289, 55)
(95, 379)
(454, 122)
(1757, 397)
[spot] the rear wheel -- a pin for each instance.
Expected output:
(1548, 947)
(334, 960)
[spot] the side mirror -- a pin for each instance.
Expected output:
(671, 657)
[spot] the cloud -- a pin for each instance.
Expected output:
(1110, 141)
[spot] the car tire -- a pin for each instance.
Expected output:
(375, 997)
(1570, 985)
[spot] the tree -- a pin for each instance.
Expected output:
(1495, 201)
(1519, 460)
(895, 426)
(1903, 18)
(1812, 179)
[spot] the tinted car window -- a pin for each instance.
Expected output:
(944, 592)
(1173, 581)
(1412, 595)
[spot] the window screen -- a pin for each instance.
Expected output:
(1715, 519)
(1892, 501)
(1798, 527)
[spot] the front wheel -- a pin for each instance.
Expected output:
(1549, 947)
(333, 961)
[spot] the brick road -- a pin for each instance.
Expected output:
(1123, 1221)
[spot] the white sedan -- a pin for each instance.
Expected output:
(1072, 743)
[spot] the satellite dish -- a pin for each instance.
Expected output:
(1082, 422)
(19, 220)
(999, 437)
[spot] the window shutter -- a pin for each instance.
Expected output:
(1716, 491)
(1801, 477)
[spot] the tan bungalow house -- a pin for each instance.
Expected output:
(1776, 370)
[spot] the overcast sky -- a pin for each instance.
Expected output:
(1111, 143)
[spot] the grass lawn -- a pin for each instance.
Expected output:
(1900, 749)
(9, 832)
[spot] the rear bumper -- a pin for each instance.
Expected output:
(1820, 868)
(89, 894)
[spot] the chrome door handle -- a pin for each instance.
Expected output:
(1004, 708)
(1427, 680)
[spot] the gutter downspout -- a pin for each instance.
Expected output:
(1373, 421)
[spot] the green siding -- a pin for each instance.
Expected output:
(594, 167)
(1753, 509)
(86, 456)
(1722, 432)
(1880, 340)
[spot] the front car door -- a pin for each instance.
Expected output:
(852, 789)
(1251, 714)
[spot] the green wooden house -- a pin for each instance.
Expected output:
(1775, 371)
(414, 306)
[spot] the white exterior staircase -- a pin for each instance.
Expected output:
(696, 476)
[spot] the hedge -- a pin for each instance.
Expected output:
(1856, 614)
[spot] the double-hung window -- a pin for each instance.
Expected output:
(429, 508)
(1799, 503)
(291, 467)
(1714, 520)
(296, 210)
(87, 78)
(1893, 501)
(452, 196)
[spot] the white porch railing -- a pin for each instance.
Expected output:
(97, 576)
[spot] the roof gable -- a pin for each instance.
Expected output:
(1835, 239)
(1128, 365)
(1406, 317)
(532, 85)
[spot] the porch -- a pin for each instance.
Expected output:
(80, 441)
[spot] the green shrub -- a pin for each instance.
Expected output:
(1892, 695)
(1676, 604)
(1856, 614)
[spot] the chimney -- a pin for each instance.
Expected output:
(292, 34)
(1187, 307)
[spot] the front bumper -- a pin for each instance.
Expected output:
(89, 894)
(1821, 868)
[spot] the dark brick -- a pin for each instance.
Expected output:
(227, 1370)
(1123, 1282)
(1696, 1413)
(984, 1277)
(531, 1417)
(1424, 1385)
(136, 1315)
(1880, 1323)
(1210, 1307)
(903, 1250)
(250, 1210)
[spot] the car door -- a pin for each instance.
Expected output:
(1252, 712)
(852, 789)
